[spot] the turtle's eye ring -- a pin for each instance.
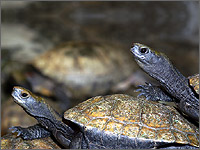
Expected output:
(144, 50)
(24, 95)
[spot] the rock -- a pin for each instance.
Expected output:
(11, 141)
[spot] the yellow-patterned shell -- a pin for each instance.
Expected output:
(138, 118)
(89, 67)
(194, 82)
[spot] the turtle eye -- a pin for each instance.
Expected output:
(24, 95)
(144, 50)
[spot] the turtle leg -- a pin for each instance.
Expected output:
(153, 93)
(80, 141)
(32, 132)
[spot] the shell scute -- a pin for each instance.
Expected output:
(194, 82)
(147, 133)
(123, 115)
(127, 114)
(88, 67)
(193, 139)
(131, 130)
(165, 135)
(114, 127)
(98, 123)
(180, 124)
(180, 137)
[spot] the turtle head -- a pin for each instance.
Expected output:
(152, 62)
(145, 56)
(31, 103)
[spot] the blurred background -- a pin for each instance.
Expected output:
(68, 52)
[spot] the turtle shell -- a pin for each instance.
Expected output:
(87, 67)
(194, 82)
(137, 123)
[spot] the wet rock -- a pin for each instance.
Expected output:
(11, 141)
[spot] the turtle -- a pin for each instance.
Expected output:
(117, 121)
(176, 87)
(92, 68)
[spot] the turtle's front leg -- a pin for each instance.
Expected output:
(32, 132)
(154, 93)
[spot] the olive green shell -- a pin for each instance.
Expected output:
(134, 117)
(194, 82)
(86, 68)
(11, 141)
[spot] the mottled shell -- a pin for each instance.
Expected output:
(89, 68)
(11, 141)
(134, 117)
(194, 82)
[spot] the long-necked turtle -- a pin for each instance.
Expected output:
(113, 121)
(177, 87)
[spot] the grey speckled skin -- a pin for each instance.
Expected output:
(158, 66)
(50, 122)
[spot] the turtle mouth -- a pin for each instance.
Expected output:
(17, 98)
(137, 55)
(141, 62)
(140, 59)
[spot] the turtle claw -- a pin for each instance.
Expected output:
(18, 133)
(16, 130)
(140, 86)
(146, 91)
(148, 97)
(137, 90)
(141, 94)
(151, 92)
(144, 87)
